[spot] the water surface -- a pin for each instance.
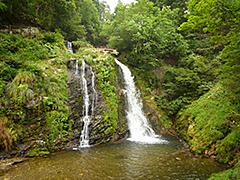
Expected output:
(127, 160)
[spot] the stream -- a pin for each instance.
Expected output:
(124, 160)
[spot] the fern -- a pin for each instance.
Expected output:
(7, 135)
(21, 94)
(24, 77)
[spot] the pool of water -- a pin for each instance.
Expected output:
(126, 160)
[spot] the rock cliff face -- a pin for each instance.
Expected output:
(98, 126)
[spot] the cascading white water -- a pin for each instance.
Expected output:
(76, 72)
(140, 131)
(84, 138)
(69, 47)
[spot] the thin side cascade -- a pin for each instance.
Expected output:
(140, 131)
(84, 138)
(69, 47)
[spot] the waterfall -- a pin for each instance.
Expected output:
(69, 47)
(140, 131)
(88, 103)
(84, 138)
(76, 72)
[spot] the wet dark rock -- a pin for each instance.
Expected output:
(97, 125)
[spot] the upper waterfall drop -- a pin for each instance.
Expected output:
(69, 47)
(140, 131)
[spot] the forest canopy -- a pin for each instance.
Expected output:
(76, 19)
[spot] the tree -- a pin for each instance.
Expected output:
(145, 32)
(105, 11)
(13, 11)
(89, 19)
(74, 18)
(222, 19)
(174, 4)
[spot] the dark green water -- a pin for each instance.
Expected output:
(128, 160)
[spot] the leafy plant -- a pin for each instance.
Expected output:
(8, 136)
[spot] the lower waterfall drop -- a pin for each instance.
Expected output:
(84, 138)
(140, 131)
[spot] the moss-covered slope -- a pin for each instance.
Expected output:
(211, 125)
(33, 92)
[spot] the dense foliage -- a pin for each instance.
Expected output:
(207, 135)
(221, 18)
(185, 53)
(146, 33)
(76, 19)
(33, 85)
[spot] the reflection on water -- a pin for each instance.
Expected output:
(126, 160)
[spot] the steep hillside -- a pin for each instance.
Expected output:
(211, 126)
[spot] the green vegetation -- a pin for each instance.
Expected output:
(74, 18)
(211, 126)
(33, 84)
(107, 78)
(185, 57)
(221, 19)
(228, 174)
(147, 38)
